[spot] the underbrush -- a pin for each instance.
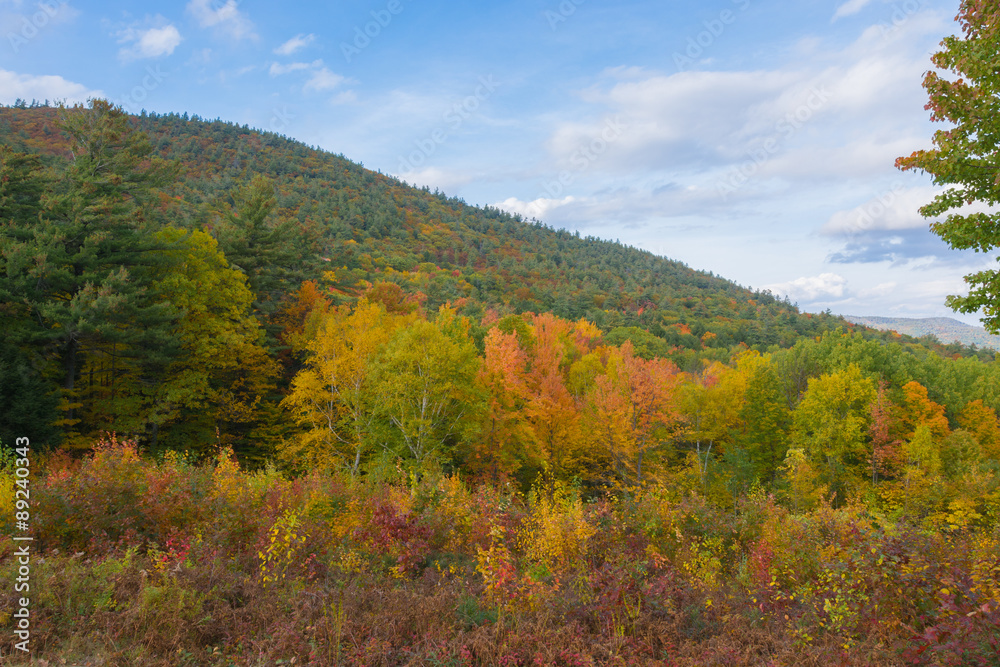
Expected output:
(137, 562)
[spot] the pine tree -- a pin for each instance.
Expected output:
(272, 253)
(81, 270)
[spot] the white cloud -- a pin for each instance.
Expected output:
(296, 43)
(671, 120)
(895, 209)
(150, 42)
(811, 288)
(885, 82)
(346, 97)
(227, 18)
(537, 208)
(939, 289)
(848, 8)
(882, 289)
(30, 87)
(434, 177)
(831, 114)
(278, 69)
(323, 79)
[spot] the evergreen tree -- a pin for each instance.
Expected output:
(28, 405)
(270, 252)
(80, 270)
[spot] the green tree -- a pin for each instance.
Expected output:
(28, 405)
(217, 333)
(764, 420)
(967, 155)
(710, 402)
(270, 251)
(81, 269)
(645, 344)
(831, 426)
(22, 185)
(214, 333)
(426, 378)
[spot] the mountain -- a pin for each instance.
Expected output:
(369, 227)
(279, 227)
(357, 227)
(944, 329)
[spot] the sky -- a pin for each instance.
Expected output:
(751, 138)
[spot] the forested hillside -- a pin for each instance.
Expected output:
(360, 227)
(367, 226)
(293, 410)
(168, 277)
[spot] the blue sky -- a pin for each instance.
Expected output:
(751, 138)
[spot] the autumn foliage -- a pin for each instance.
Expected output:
(156, 562)
(427, 434)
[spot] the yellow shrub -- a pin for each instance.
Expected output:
(960, 513)
(703, 561)
(285, 539)
(228, 481)
(455, 508)
(986, 566)
(6, 495)
(556, 533)
(350, 562)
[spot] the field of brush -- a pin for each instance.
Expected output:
(143, 562)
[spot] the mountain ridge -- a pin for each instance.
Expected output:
(367, 227)
(944, 329)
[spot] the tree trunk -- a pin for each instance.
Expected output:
(69, 364)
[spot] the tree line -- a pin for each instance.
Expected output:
(133, 304)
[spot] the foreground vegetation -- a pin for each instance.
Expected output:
(166, 562)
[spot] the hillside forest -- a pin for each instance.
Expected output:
(282, 408)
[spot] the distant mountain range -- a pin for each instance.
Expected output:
(945, 329)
